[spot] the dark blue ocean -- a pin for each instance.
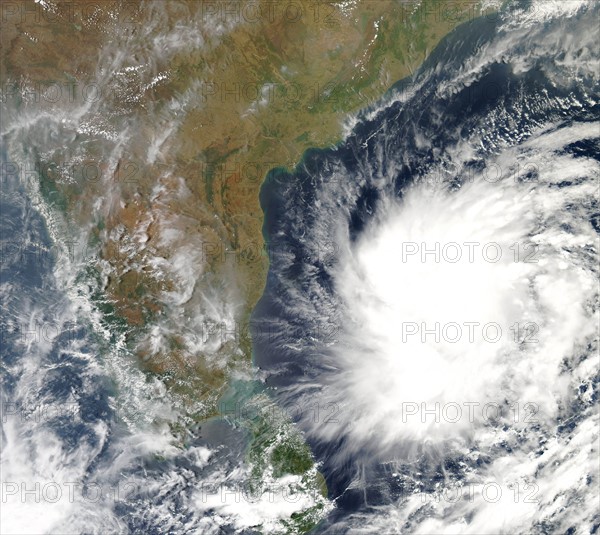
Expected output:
(510, 100)
(409, 137)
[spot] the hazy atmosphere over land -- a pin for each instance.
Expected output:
(299, 266)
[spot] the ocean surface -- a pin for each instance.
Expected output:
(494, 141)
(495, 138)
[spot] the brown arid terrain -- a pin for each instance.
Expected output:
(152, 126)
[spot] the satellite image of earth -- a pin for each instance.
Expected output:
(299, 266)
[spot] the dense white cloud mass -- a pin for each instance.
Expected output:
(465, 303)
(431, 315)
(451, 245)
